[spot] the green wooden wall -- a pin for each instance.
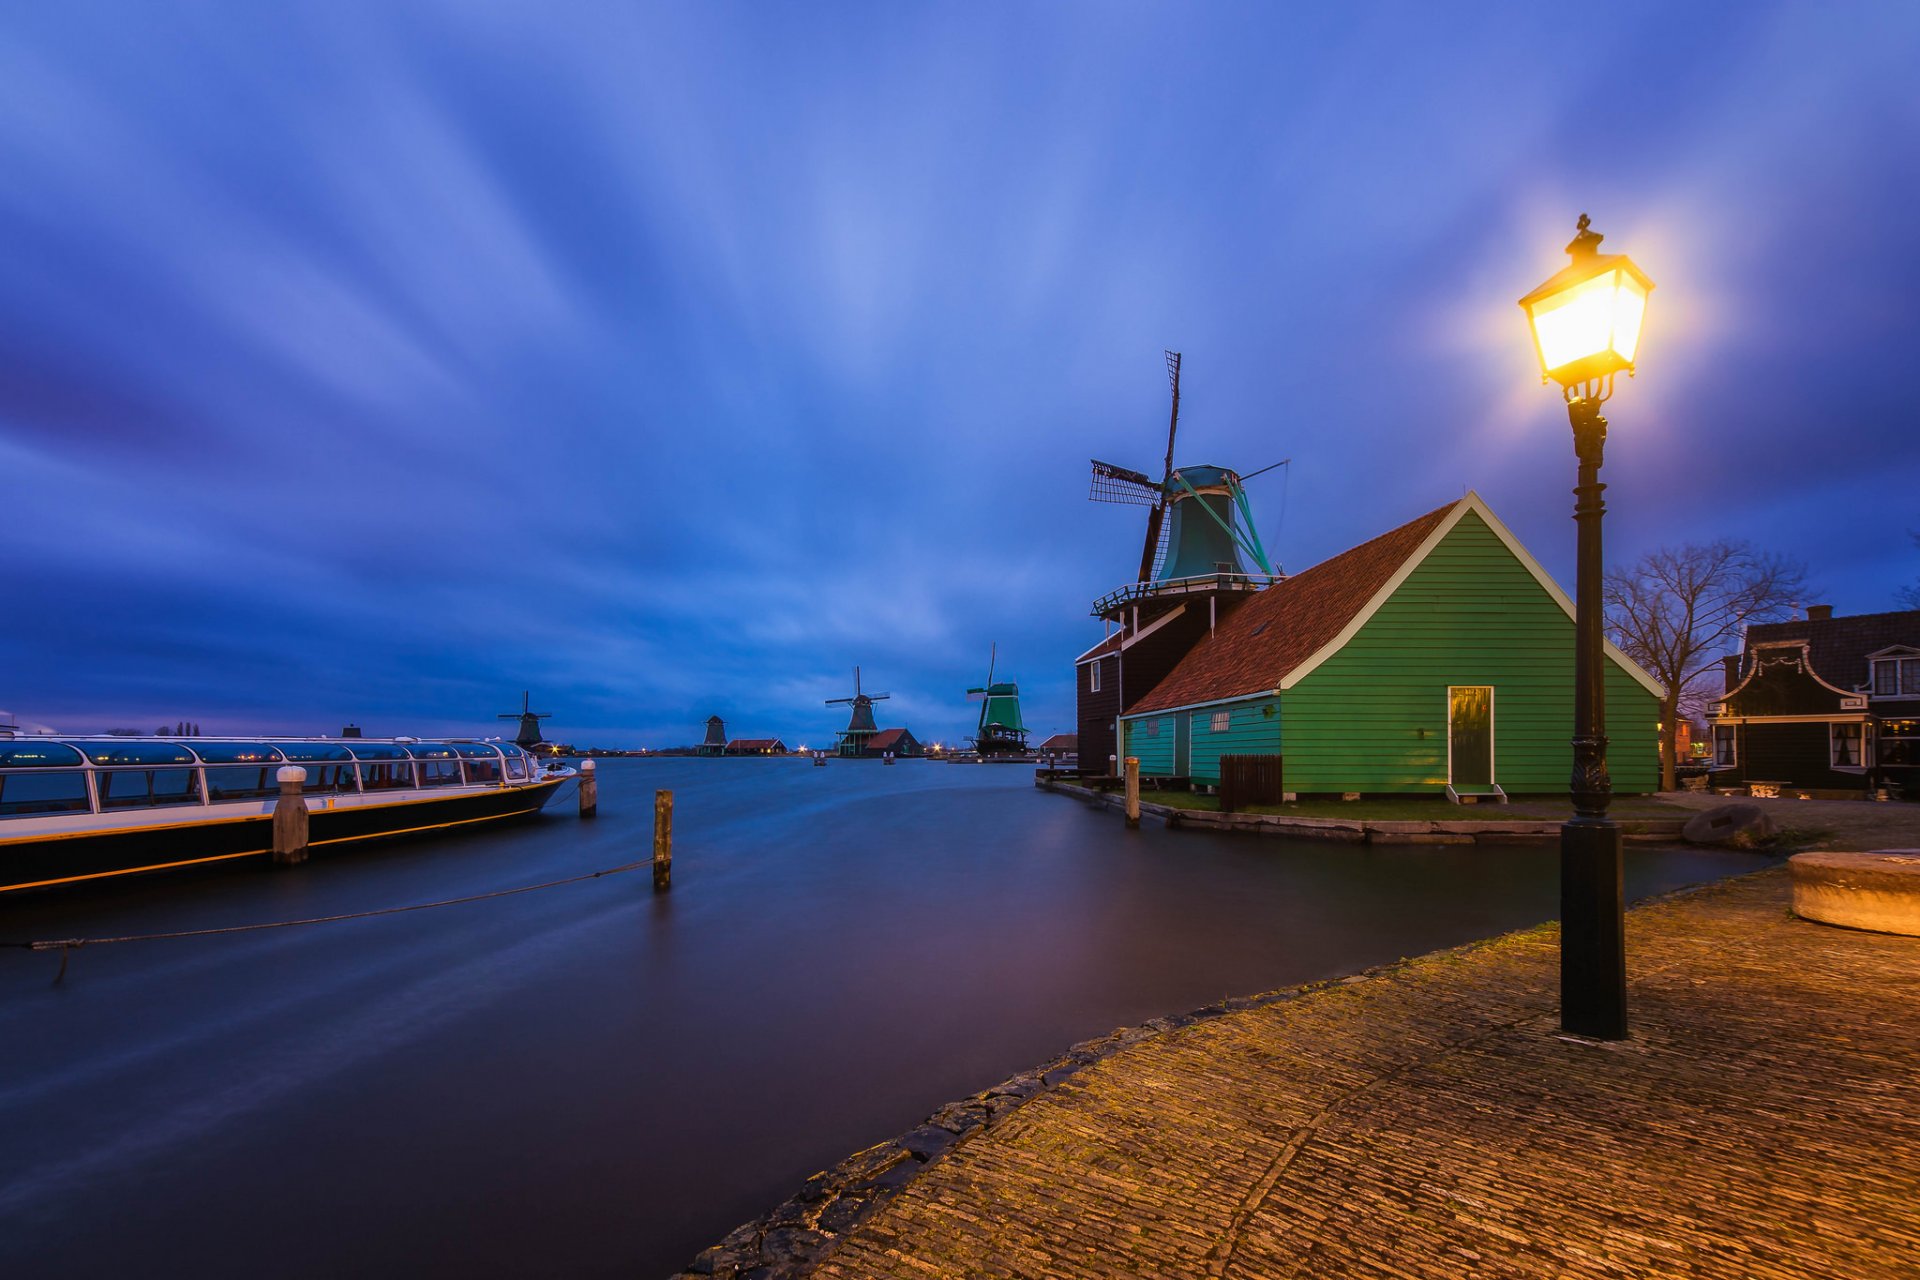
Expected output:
(1155, 753)
(1373, 718)
(1250, 730)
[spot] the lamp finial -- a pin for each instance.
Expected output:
(1587, 242)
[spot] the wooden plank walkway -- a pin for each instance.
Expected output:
(1429, 1121)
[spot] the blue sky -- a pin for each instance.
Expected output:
(376, 361)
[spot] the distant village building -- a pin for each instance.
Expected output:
(1061, 747)
(1823, 704)
(716, 740)
(756, 747)
(1435, 659)
(898, 741)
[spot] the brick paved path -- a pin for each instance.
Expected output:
(1428, 1121)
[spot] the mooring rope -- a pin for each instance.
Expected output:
(66, 946)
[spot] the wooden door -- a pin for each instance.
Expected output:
(1470, 736)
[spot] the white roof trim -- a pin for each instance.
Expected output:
(1895, 651)
(1127, 641)
(1256, 696)
(1474, 503)
(1148, 630)
(1088, 655)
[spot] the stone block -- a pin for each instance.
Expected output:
(1879, 892)
(1736, 826)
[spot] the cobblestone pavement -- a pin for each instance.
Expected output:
(1429, 1121)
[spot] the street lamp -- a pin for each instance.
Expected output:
(1586, 328)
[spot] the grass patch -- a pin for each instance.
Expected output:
(1430, 808)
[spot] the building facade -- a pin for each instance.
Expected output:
(1823, 704)
(1434, 659)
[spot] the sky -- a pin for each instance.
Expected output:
(374, 362)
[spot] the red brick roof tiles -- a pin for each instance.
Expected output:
(1259, 643)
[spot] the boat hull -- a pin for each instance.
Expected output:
(197, 837)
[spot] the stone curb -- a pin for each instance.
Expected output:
(788, 1242)
(1364, 830)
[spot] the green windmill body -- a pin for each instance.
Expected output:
(1001, 731)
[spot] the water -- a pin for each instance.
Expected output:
(591, 1080)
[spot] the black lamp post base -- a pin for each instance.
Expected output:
(1593, 944)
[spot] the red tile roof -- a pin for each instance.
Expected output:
(1062, 742)
(1260, 642)
(756, 744)
(884, 740)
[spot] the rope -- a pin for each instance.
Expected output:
(67, 945)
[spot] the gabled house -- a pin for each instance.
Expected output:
(1435, 659)
(1823, 704)
(899, 741)
(756, 747)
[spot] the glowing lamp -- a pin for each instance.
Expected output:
(1586, 319)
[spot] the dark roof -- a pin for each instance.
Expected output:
(1838, 647)
(1259, 643)
(886, 738)
(1062, 742)
(756, 744)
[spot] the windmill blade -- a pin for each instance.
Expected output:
(878, 697)
(993, 657)
(1173, 423)
(834, 702)
(1121, 485)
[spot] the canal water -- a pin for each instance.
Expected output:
(590, 1080)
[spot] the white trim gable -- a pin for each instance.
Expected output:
(1151, 627)
(1472, 502)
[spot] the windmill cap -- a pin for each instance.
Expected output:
(1207, 476)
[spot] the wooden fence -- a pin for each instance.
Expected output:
(1247, 780)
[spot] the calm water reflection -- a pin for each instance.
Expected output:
(593, 1081)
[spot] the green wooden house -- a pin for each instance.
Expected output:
(1435, 659)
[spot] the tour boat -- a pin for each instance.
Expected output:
(74, 808)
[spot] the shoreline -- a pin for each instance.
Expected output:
(795, 1237)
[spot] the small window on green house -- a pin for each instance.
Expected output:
(1221, 721)
(1153, 728)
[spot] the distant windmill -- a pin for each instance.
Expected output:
(1199, 525)
(529, 735)
(1001, 731)
(861, 726)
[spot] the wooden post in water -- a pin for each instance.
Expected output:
(589, 789)
(662, 841)
(1133, 791)
(290, 817)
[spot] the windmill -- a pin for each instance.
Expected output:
(860, 726)
(1200, 529)
(529, 735)
(1001, 731)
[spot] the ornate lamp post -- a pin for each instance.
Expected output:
(1586, 328)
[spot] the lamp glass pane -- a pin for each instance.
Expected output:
(1629, 309)
(1579, 321)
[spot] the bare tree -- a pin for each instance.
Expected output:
(1678, 609)
(1910, 596)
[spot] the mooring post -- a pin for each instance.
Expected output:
(589, 789)
(290, 817)
(1133, 791)
(887, 758)
(662, 840)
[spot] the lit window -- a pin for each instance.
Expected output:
(1093, 676)
(1724, 754)
(1221, 719)
(1898, 742)
(1845, 742)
